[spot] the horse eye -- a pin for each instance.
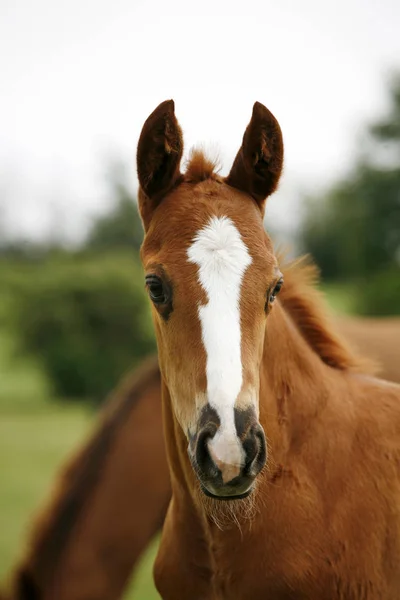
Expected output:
(156, 289)
(276, 291)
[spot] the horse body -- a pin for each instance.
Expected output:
(378, 338)
(326, 514)
(104, 508)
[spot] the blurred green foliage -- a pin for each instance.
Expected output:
(354, 232)
(84, 317)
(381, 294)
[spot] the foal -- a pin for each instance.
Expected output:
(243, 387)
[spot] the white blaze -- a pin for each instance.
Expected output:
(222, 258)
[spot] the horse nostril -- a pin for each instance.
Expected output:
(256, 450)
(221, 461)
(201, 446)
(203, 458)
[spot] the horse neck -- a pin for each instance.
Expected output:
(181, 472)
(294, 381)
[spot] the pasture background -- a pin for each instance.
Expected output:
(73, 319)
(78, 80)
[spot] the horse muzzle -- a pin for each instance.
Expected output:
(227, 462)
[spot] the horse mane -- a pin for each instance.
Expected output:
(306, 306)
(199, 167)
(78, 478)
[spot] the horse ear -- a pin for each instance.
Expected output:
(158, 157)
(258, 164)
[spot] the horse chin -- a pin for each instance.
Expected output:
(221, 497)
(228, 511)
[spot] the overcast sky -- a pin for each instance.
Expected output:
(78, 79)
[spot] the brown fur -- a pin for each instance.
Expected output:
(326, 521)
(307, 308)
(200, 167)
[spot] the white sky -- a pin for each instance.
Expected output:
(78, 79)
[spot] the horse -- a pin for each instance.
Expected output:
(90, 532)
(77, 566)
(284, 455)
(378, 338)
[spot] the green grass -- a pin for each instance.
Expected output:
(32, 445)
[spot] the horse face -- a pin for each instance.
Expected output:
(212, 278)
